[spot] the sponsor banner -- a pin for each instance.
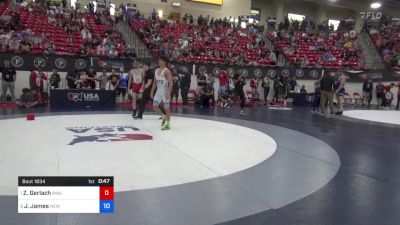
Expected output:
(82, 99)
(299, 73)
(66, 63)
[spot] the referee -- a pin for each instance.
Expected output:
(240, 82)
(148, 83)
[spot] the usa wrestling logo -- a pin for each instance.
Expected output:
(103, 134)
(83, 97)
(75, 97)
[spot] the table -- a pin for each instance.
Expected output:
(300, 99)
(82, 99)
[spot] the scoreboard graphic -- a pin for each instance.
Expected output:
(65, 194)
(214, 2)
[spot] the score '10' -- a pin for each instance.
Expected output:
(106, 205)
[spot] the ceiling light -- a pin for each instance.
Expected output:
(376, 5)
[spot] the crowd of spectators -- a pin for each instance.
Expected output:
(46, 27)
(225, 41)
(386, 36)
(219, 41)
(307, 44)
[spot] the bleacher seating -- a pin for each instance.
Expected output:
(386, 37)
(206, 44)
(64, 42)
(305, 49)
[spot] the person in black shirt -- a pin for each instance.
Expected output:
(201, 80)
(367, 91)
(206, 95)
(148, 83)
(240, 82)
(327, 89)
(317, 95)
(8, 77)
(55, 79)
(72, 78)
(91, 78)
(186, 79)
(176, 80)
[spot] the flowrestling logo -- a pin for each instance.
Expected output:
(81, 96)
(101, 134)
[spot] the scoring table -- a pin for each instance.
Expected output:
(65, 194)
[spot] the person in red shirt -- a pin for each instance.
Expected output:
(223, 83)
(254, 87)
(398, 95)
(387, 96)
(37, 81)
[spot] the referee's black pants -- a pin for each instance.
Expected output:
(240, 94)
(143, 101)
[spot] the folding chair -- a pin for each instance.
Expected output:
(358, 99)
(347, 99)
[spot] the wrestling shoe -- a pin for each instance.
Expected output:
(164, 118)
(166, 126)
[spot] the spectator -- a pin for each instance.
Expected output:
(367, 91)
(201, 80)
(25, 46)
(272, 58)
(91, 78)
(254, 87)
(14, 44)
(55, 79)
(28, 98)
(327, 87)
(72, 79)
(8, 77)
(379, 92)
(37, 81)
(387, 96)
(292, 83)
(113, 53)
(130, 52)
(100, 50)
(206, 94)
(176, 81)
(84, 82)
(223, 83)
(123, 84)
(49, 48)
(303, 89)
(114, 80)
(266, 85)
(52, 20)
(103, 79)
(86, 35)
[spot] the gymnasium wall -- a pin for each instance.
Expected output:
(229, 7)
(23, 81)
(280, 8)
